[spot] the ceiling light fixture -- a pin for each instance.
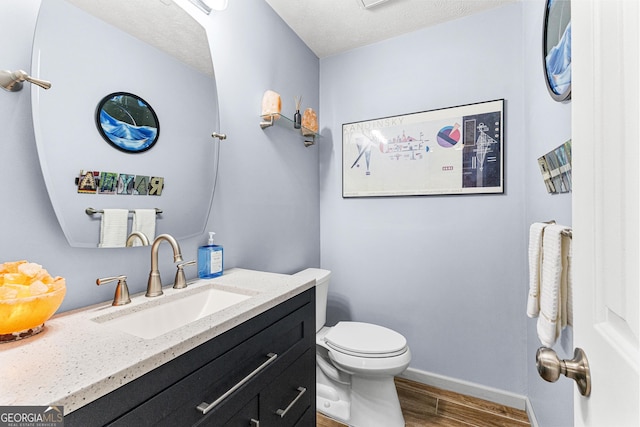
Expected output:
(208, 5)
(370, 3)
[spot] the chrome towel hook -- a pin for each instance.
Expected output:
(12, 81)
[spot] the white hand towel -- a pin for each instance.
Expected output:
(144, 221)
(570, 283)
(553, 293)
(113, 228)
(564, 281)
(535, 260)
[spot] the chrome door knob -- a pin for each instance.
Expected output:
(550, 367)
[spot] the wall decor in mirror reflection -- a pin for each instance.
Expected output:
(97, 182)
(556, 49)
(127, 122)
(555, 167)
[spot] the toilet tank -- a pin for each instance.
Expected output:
(322, 289)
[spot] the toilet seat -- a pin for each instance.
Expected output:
(365, 340)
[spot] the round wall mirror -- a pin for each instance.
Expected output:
(127, 122)
(556, 48)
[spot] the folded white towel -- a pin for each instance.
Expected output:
(144, 221)
(535, 260)
(553, 286)
(113, 228)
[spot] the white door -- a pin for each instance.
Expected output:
(606, 194)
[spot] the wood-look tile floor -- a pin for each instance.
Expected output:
(423, 405)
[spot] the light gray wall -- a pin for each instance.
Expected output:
(547, 125)
(445, 271)
(266, 207)
(450, 273)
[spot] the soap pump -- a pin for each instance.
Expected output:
(210, 259)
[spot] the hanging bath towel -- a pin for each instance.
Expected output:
(553, 286)
(144, 221)
(113, 228)
(536, 232)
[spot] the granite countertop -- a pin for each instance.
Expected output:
(76, 360)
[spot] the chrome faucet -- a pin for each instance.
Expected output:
(154, 285)
(132, 237)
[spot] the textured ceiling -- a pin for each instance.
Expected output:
(162, 24)
(333, 26)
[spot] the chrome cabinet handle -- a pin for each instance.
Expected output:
(205, 407)
(283, 412)
(255, 423)
(550, 367)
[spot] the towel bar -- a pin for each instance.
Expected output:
(92, 211)
(568, 233)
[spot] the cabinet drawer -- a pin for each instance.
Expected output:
(286, 399)
(308, 419)
(287, 339)
(244, 418)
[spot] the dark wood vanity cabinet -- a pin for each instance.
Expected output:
(261, 372)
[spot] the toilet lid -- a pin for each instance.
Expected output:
(365, 339)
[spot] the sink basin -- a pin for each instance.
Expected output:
(152, 320)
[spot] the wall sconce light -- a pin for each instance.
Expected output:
(12, 81)
(208, 5)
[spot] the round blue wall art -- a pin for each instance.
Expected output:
(127, 122)
(556, 49)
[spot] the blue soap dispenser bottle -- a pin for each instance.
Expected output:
(210, 261)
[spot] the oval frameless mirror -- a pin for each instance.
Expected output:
(162, 44)
(127, 122)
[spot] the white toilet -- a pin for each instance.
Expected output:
(355, 366)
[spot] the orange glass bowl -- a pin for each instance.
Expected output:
(24, 317)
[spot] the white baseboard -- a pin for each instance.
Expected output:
(532, 416)
(479, 391)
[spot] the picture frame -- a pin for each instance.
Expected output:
(556, 49)
(453, 150)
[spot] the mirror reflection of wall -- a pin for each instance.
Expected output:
(91, 59)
